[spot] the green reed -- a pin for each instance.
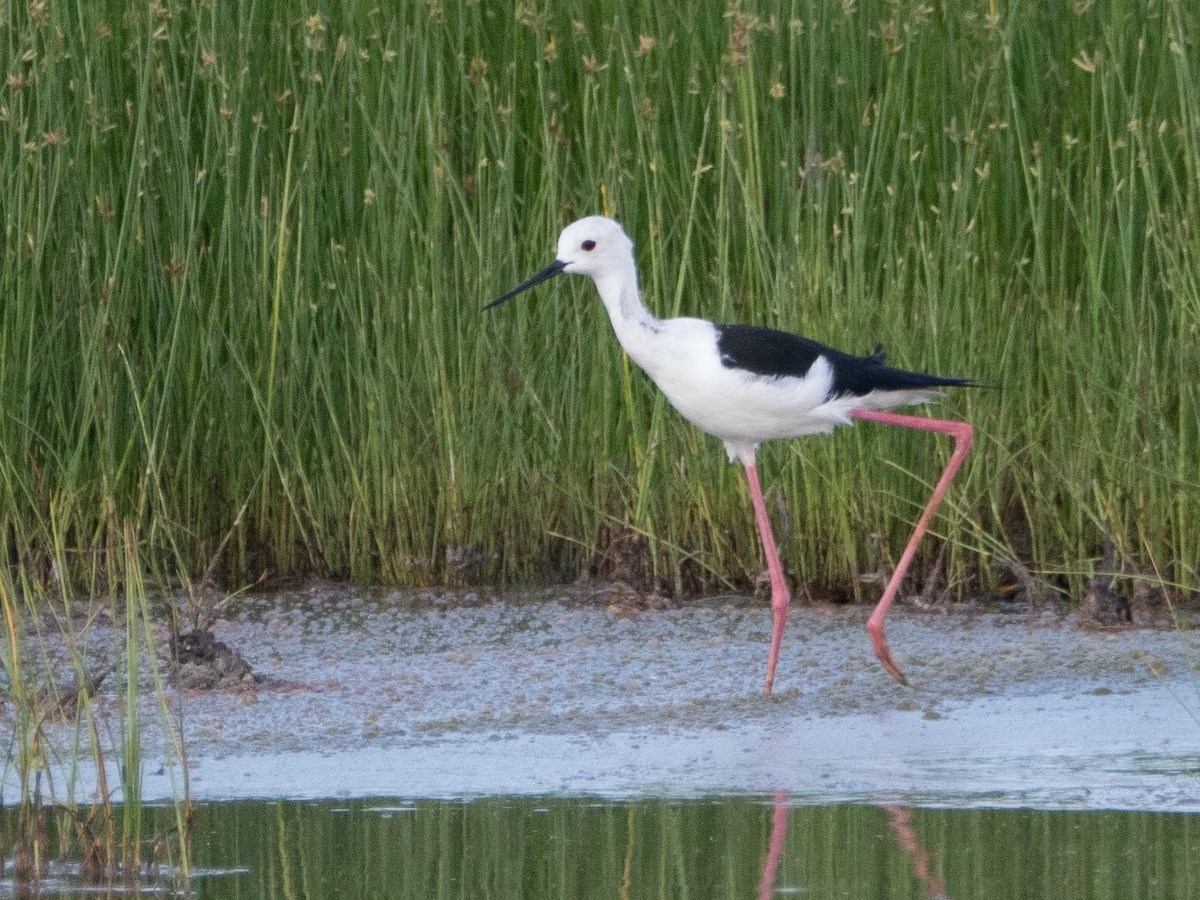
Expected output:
(247, 246)
(75, 768)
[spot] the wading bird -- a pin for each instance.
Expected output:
(745, 385)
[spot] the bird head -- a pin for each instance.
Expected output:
(591, 246)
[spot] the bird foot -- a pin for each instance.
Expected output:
(780, 611)
(880, 645)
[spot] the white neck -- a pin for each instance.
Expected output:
(631, 321)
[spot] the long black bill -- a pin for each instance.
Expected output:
(555, 268)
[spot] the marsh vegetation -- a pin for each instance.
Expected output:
(246, 247)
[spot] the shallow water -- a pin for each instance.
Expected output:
(427, 745)
(730, 847)
(449, 696)
(529, 848)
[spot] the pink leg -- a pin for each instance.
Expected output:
(962, 434)
(779, 824)
(901, 822)
(779, 591)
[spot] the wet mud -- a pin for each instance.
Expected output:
(335, 691)
(461, 694)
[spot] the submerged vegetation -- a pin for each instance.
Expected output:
(247, 245)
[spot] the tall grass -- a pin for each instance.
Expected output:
(247, 245)
(74, 769)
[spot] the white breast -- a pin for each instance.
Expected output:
(740, 408)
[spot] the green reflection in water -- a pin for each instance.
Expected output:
(578, 848)
(531, 848)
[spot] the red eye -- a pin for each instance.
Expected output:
(588, 246)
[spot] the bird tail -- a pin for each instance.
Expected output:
(886, 378)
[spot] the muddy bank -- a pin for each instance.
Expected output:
(416, 694)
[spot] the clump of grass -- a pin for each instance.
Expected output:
(246, 250)
(75, 766)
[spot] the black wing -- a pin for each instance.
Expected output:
(779, 354)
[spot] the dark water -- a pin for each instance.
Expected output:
(531, 848)
(535, 848)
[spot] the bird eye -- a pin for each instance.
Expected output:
(588, 246)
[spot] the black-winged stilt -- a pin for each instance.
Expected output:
(746, 385)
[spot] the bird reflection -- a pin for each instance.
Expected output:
(900, 820)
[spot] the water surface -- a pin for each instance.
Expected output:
(528, 848)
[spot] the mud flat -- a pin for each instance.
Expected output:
(463, 695)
